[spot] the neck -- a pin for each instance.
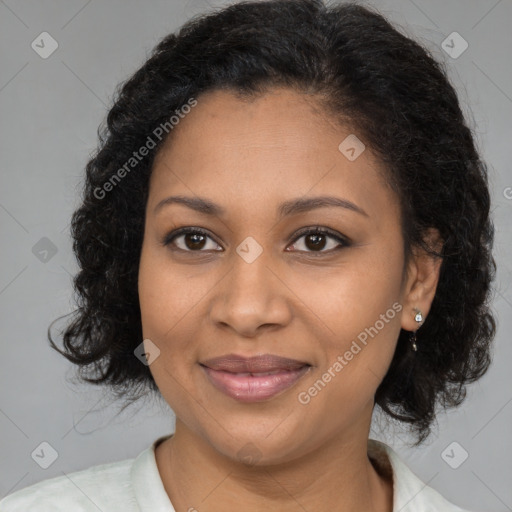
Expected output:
(336, 476)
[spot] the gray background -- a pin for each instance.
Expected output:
(50, 110)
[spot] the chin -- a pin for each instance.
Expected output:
(254, 445)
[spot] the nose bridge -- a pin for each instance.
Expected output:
(250, 275)
(250, 261)
(250, 295)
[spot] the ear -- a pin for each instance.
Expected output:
(421, 282)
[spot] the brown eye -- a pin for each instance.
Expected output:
(194, 240)
(318, 239)
(315, 241)
(190, 240)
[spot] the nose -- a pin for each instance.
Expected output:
(252, 297)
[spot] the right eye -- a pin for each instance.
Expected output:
(192, 240)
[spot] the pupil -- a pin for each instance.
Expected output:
(317, 243)
(196, 244)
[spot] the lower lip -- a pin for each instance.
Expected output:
(253, 389)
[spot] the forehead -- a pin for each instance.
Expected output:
(272, 147)
(226, 124)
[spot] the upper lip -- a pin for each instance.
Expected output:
(263, 363)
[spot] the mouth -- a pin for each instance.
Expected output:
(253, 379)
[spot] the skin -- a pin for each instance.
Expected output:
(292, 300)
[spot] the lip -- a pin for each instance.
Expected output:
(247, 379)
(256, 364)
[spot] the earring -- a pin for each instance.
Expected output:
(419, 319)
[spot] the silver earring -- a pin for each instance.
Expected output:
(419, 318)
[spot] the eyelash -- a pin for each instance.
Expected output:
(345, 242)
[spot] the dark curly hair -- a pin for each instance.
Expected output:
(366, 75)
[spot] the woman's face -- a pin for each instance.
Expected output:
(256, 285)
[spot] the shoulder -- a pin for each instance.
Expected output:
(410, 494)
(102, 487)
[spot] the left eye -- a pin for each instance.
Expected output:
(316, 240)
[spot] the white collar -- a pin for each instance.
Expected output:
(410, 494)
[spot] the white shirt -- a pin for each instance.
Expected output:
(135, 485)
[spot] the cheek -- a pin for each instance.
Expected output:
(360, 311)
(162, 305)
(355, 361)
(165, 294)
(171, 309)
(352, 296)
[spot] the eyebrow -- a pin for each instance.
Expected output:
(288, 208)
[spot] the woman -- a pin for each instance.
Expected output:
(286, 223)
